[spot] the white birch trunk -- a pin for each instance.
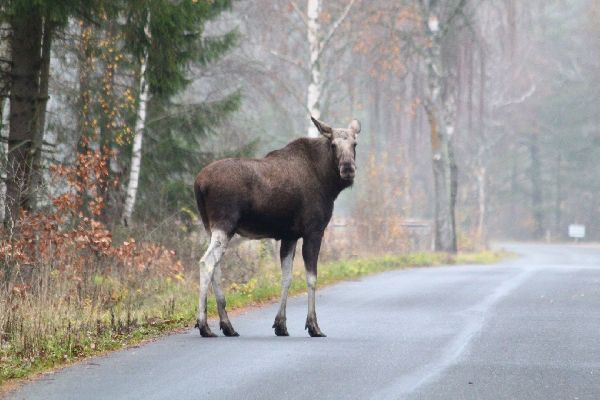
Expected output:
(140, 125)
(314, 43)
(3, 161)
(4, 113)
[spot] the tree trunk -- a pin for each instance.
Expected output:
(84, 71)
(558, 200)
(38, 140)
(445, 184)
(24, 103)
(140, 125)
(4, 111)
(315, 86)
(514, 190)
(439, 107)
(453, 191)
(3, 157)
(316, 43)
(536, 188)
(5, 58)
(482, 170)
(481, 175)
(375, 121)
(111, 119)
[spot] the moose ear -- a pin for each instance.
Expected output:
(355, 126)
(325, 130)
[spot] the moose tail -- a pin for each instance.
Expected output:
(202, 208)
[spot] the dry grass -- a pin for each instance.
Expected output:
(57, 319)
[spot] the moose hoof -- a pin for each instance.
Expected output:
(227, 329)
(313, 329)
(280, 328)
(316, 332)
(204, 329)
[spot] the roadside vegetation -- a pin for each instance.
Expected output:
(68, 318)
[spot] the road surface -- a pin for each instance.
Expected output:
(527, 328)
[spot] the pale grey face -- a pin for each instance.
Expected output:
(343, 144)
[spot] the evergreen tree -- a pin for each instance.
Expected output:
(173, 41)
(33, 25)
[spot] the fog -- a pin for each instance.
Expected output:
(522, 79)
(479, 118)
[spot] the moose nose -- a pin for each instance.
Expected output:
(347, 170)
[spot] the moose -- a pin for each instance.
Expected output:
(287, 195)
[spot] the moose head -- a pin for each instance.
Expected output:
(343, 145)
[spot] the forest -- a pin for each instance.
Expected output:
(479, 122)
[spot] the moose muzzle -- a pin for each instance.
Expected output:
(347, 170)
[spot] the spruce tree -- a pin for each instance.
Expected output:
(172, 149)
(33, 25)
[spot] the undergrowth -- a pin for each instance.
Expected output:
(57, 330)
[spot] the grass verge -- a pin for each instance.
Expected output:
(176, 308)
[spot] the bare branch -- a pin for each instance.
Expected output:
(521, 99)
(335, 26)
(299, 12)
(458, 10)
(288, 60)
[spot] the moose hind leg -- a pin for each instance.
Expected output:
(218, 241)
(224, 322)
(310, 253)
(286, 253)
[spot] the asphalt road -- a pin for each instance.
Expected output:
(527, 328)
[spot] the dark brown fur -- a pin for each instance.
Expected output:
(286, 196)
(289, 194)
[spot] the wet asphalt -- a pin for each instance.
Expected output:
(526, 328)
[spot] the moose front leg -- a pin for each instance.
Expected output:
(310, 253)
(286, 254)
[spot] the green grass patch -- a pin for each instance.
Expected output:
(64, 340)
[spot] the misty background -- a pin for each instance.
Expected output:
(521, 80)
(526, 78)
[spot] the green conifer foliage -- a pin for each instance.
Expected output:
(173, 150)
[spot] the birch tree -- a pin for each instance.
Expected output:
(317, 44)
(168, 39)
(3, 159)
(314, 43)
(4, 112)
(140, 125)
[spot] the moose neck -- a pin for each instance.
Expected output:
(325, 165)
